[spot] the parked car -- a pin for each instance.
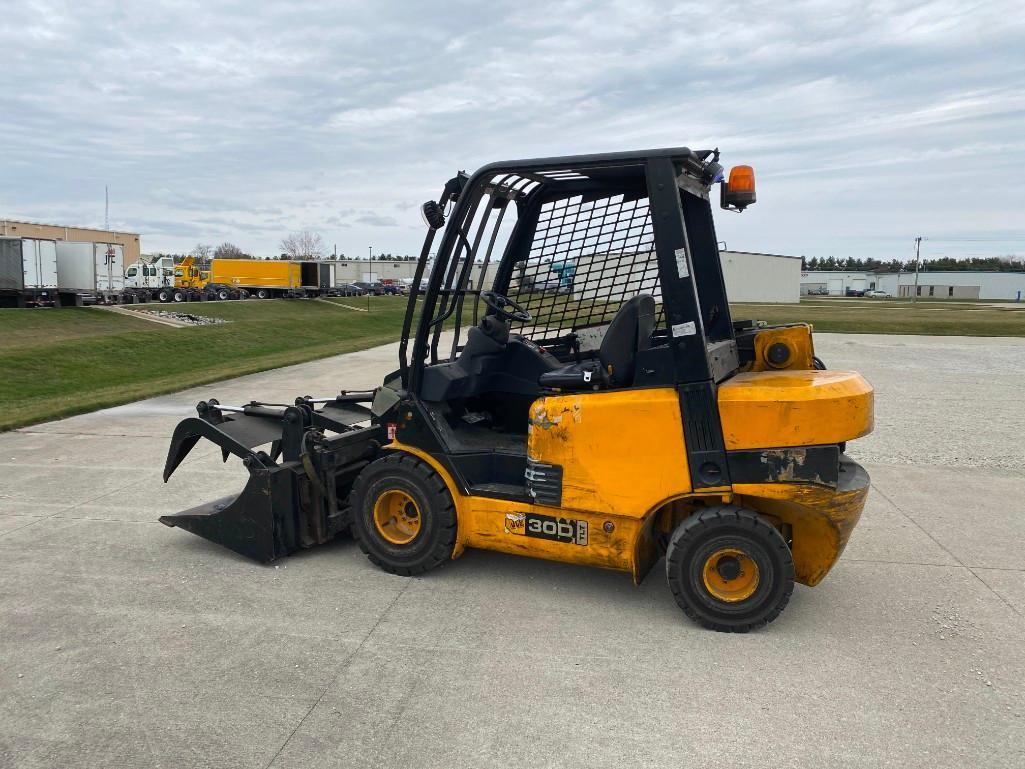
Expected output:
(819, 292)
(854, 292)
(349, 289)
(377, 289)
(875, 293)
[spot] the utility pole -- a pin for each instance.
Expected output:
(106, 207)
(918, 248)
(371, 281)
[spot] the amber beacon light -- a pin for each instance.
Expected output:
(739, 192)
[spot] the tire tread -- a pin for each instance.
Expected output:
(409, 465)
(742, 518)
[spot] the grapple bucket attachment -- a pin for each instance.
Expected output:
(295, 496)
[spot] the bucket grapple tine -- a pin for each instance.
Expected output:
(183, 441)
(236, 436)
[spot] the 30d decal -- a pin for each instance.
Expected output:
(547, 527)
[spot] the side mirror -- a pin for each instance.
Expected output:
(739, 192)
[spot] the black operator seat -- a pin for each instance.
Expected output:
(627, 334)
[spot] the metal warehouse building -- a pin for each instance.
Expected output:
(836, 282)
(955, 285)
(750, 276)
(939, 285)
(128, 240)
(754, 277)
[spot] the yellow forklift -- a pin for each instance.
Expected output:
(608, 417)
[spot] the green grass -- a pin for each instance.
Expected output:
(57, 363)
(875, 316)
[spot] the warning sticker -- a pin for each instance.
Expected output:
(685, 329)
(682, 268)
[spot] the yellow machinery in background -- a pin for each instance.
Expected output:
(608, 418)
(234, 278)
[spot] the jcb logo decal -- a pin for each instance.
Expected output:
(547, 527)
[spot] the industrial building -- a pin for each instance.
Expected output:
(938, 285)
(128, 240)
(955, 285)
(750, 276)
(755, 277)
(836, 282)
(366, 271)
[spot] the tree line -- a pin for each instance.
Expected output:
(937, 264)
(302, 245)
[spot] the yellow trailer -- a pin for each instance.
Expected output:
(264, 278)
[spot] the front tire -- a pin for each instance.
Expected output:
(729, 569)
(403, 516)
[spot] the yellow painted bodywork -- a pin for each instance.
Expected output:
(798, 340)
(606, 442)
(777, 409)
(822, 520)
(625, 472)
(482, 523)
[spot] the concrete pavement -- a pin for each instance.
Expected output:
(124, 643)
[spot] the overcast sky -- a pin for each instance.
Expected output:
(242, 121)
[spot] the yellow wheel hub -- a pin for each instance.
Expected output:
(730, 575)
(397, 517)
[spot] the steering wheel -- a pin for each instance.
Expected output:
(498, 303)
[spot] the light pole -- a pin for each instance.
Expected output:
(371, 281)
(918, 247)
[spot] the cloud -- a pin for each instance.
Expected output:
(867, 123)
(376, 220)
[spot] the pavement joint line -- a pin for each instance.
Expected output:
(985, 584)
(34, 521)
(27, 431)
(341, 669)
(102, 520)
(83, 502)
(907, 563)
(995, 568)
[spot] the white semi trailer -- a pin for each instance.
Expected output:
(90, 273)
(28, 272)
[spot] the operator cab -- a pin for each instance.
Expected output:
(552, 276)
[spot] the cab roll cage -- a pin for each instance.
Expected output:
(668, 187)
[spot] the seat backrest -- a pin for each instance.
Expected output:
(628, 333)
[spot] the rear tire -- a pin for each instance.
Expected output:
(423, 534)
(224, 295)
(179, 296)
(729, 569)
(263, 294)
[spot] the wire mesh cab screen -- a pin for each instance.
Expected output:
(586, 258)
